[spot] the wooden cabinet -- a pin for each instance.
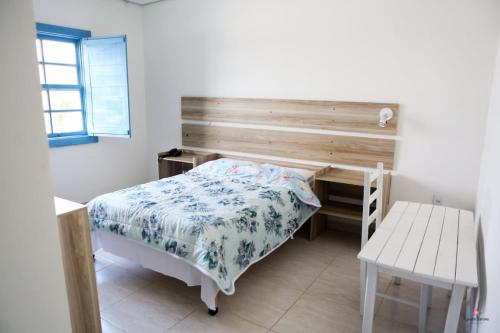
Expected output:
(169, 166)
(341, 194)
(79, 272)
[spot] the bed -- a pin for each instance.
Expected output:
(207, 226)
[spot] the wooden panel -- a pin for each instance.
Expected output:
(328, 115)
(428, 251)
(375, 245)
(167, 168)
(466, 252)
(408, 256)
(386, 194)
(447, 254)
(79, 273)
(318, 221)
(392, 249)
(435, 245)
(344, 211)
(378, 241)
(188, 156)
(314, 147)
(350, 177)
(345, 176)
(310, 167)
(394, 215)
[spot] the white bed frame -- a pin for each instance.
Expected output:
(158, 261)
(169, 264)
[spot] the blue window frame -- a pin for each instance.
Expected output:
(59, 65)
(84, 83)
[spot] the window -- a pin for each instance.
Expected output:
(84, 85)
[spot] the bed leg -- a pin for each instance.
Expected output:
(93, 256)
(214, 312)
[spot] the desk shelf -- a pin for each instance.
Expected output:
(340, 192)
(343, 211)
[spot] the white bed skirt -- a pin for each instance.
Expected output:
(158, 261)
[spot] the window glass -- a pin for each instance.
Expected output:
(65, 99)
(59, 52)
(57, 74)
(64, 122)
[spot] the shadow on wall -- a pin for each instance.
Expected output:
(400, 186)
(480, 297)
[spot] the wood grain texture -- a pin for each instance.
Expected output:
(345, 176)
(79, 273)
(189, 156)
(317, 223)
(327, 115)
(386, 195)
(338, 149)
(310, 167)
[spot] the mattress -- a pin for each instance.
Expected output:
(220, 217)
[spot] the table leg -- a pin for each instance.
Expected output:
(429, 297)
(422, 308)
(370, 295)
(362, 285)
(457, 296)
(468, 309)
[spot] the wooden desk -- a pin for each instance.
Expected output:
(169, 166)
(431, 245)
(341, 194)
(79, 273)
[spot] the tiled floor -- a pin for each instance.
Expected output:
(302, 287)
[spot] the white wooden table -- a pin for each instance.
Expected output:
(431, 245)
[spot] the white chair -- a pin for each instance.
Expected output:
(368, 219)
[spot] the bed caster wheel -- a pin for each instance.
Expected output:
(213, 312)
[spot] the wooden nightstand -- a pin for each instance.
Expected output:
(171, 166)
(341, 194)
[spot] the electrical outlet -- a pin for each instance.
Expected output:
(437, 199)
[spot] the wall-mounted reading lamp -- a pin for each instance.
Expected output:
(385, 115)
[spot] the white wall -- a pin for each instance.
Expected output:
(32, 289)
(488, 209)
(82, 172)
(435, 58)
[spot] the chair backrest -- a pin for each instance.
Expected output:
(369, 198)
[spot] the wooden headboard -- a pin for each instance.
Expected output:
(331, 132)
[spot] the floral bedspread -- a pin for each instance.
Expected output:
(219, 223)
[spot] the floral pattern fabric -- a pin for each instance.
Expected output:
(221, 224)
(262, 173)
